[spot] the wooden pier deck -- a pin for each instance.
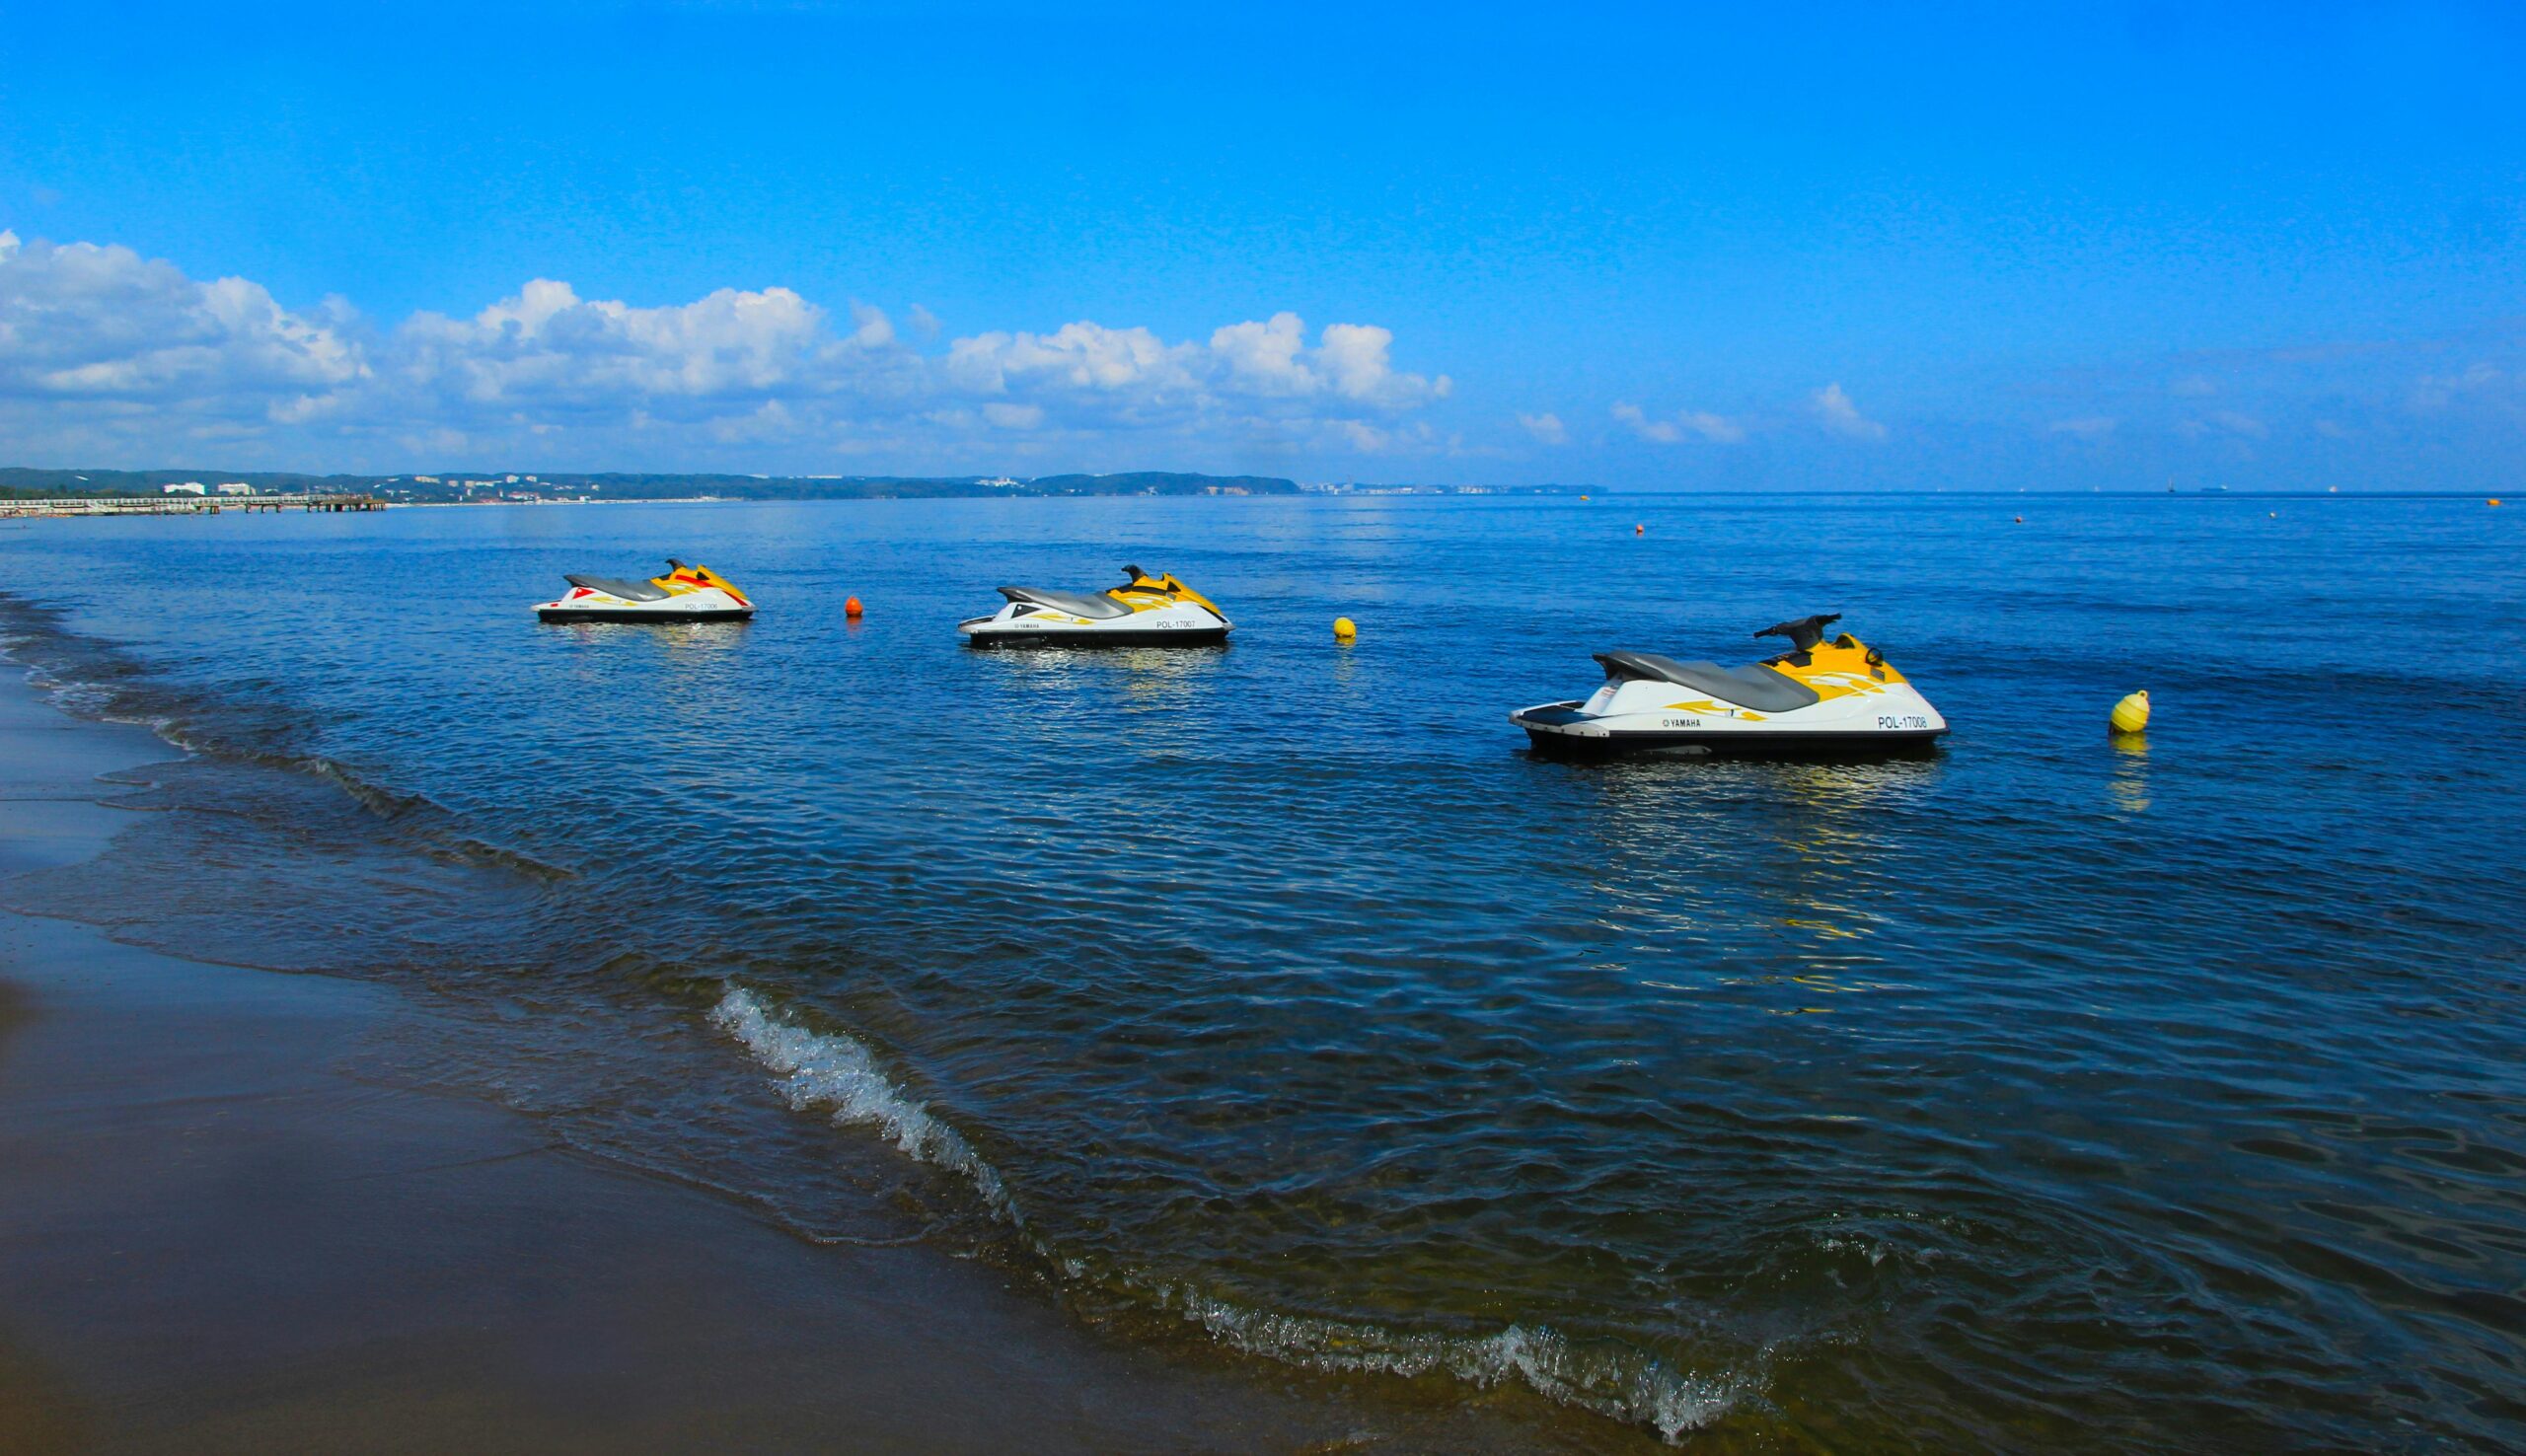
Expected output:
(183, 505)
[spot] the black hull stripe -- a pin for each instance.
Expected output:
(1757, 745)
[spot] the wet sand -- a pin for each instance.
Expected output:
(214, 1237)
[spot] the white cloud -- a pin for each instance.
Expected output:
(97, 326)
(548, 348)
(1834, 409)
(1698, 424)
(1350, 361)
(1546, 428)
(1661, 431)
(101, 350)
(2480, 383)
(1717, 430)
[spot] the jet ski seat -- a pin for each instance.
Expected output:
(1094, 606)
(629, 591)
(1755, 686)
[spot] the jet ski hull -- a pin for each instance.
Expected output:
(1562, 731)
(1127, 618)
(639, 613)
(675, 597)
(1871, 712)
(1214, 637)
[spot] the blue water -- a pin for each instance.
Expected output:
(2052, 1094)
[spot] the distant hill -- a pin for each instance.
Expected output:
(1160, 482)
(486, 485)
(449, 485)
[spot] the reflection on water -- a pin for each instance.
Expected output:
(675, 638)
(2131, 782)
(1275, 999)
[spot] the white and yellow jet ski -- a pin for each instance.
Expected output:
(1820, 700)
(683, 594)
(1146, 612)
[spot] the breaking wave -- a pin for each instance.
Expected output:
(835, 1073)
(1624, 1385)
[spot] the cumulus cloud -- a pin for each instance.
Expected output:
(1683, 424)
(101, 348)
(83, 324)
(1546, 428)
(1350, 361)
(1835, 411)
(547, 349)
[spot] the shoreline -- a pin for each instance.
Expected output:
(217, 1236)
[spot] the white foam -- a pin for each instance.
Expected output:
(837, 1073)
(1626, 1386)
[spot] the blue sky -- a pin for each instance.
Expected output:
(1658, 247)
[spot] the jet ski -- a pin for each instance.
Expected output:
(683, 594)
(1818, 699)
(1145, 612)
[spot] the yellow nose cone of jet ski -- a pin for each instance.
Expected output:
(2132, 714)
(1345, 630)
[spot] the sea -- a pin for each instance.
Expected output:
(1271, 1003)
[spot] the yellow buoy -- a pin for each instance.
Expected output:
(2132, 714)
(1345, 630)
(2494, 500)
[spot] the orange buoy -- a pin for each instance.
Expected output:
(2494, 500)
(1640, 530)
(851, 608)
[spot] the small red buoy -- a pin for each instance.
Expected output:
(851, 608)
(2021, 520)
(1640, 530)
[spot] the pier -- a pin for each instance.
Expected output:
(183, 505)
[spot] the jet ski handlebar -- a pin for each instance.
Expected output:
(1806, 633)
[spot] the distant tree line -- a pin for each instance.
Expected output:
(20, 482)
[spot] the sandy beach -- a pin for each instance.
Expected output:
(215, 1237)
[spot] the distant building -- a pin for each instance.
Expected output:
(513, 480)
(426, 480)
(236, 487)
(996, 483)
(183, 487)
